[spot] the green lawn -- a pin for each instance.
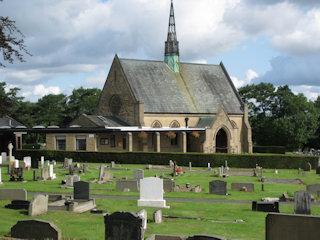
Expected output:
(88, 226)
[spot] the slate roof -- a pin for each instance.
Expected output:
(7, 121)
(204, 122)
(109, 121)
(198, 88)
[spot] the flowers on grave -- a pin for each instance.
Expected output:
(195, 134)
(143, 134)
(171, 135)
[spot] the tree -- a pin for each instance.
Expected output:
(8, 99)
(11, 41)
(82, 101)
(279, 117)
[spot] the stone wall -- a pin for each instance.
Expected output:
(91, 140)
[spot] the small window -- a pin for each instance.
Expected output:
(104, 141)
(174, 124)
(112, 141)
(81, 143)
(60, 142)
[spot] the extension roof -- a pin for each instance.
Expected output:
(8, 122)
(197, 88)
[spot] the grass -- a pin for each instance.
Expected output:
(88, 226)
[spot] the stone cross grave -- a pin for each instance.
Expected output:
(218, 187)
(10, 147)
(151, 193)
(302, 202)
(124, 226)
(81, 190)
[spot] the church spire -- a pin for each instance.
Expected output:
(172, 45)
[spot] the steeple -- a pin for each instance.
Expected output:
(172, 45)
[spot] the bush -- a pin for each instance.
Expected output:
(269, 149)
(182, 159)
(31, 146)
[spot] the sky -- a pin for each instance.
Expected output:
(73, 42)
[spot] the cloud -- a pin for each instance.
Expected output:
(250, 75)
(287, 70)
(299, 2)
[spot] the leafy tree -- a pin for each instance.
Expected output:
(11, 41)
(82, 101)
(8, 99)
(278, 116)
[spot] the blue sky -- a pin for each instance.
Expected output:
(73, 42)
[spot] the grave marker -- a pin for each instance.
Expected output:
(190, 166)
(81, 190)
(42, 161)
(0, 159)
(113, 165)
(218, 187)
(38, 205)
(313, 188)
(34, 163)
(302, 202)
(307, 167)
(13, 194)
(157, 216)
(240, 186)
(51, 174)
(144, 216)
(101, 173)
(44, 173)
(138, 174)
(265, 206)
(4, 156)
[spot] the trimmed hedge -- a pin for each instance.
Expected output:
(269, 149)
(279, 161)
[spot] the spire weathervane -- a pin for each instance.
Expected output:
(172, 45)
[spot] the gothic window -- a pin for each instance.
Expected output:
(174, 124)
(156, 124)
(115, 104)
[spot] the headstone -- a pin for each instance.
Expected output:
(16, 163)
(171, 164)
(302, 202)
(113, 165)
(144, 216)
(81, 190)
(299, 171)
(10, 147)
(77, 166)
(131, 184)
(48, 162)
(226, 165)
(294, 227)
(42, 161)
(38, 206)
(219, 172)
(275, 171)
(27, 161)
(35, 175)
(265, 206)
(138, 174)
(4, 156)
(190, 166)
(71, 169)
(262, 187)
(107, 176)
(124, 226)
(168, 185)
(34, 163)
(218, 187)
(13, 194)
(307, 167)
(85, 167)
(101, 172)
(209, 167)
(318, 167)
(0, 159)
(313, 188)
(54, 162)
(44, 173)
(239, 186)
(35, 229)
(151, 193)
(157, 216)
(51, 174)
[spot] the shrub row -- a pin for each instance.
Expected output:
(269, 149)
(279, 161)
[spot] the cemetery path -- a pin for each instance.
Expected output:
(172, 199)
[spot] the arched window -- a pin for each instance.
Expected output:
(174, 124)
(156, 124)
(221, 141)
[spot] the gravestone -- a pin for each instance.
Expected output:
(157, 216)
(35, 175)
(209, 167)
(71, 169)
(54, 162)
(16, 174)
(16, 163)
(44, 173)
(4, 156)
(168, 185)
(71, 179)
(299, 171)
(10, 147)
(265, 206)
(13, 194)
(34, 163)
(27, 161)
(318, 167)
(302, 202)
(35, 229)
(313, 188)
(131, 184)
(48, 162)
(190, 166)
(51, 174)
(38, 205)
(0, 159)
(307, 167)
(240, 186)
(171, 164)
(113, 165)
(81, 190)
(294, 227)
(101, 172)
(42, 161)
(218, 187)
(124, 226)
(85, 167)
(151, 193)
(144, 216)
(107, 176)
(219, 172)
(138, 174)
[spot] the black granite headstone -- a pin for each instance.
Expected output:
(34, 163)
(81, 190)
(124, 226)
(265, 206)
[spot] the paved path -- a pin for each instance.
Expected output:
(174, 199)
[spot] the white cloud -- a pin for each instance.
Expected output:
(311, 92)
(41, 90)
(250, 75)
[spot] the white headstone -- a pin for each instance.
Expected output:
(4, 156)
(16, 163)
(209, 167)
(51, 174)
(190, 166)
(27, 161)
(151, 193)
(171, 164)
(10, 147)
(42, 161)
(0, 159)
